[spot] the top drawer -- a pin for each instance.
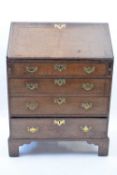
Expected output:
(41, 69)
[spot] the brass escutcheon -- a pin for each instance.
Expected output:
(89, 70)
(32, 130)
(59, 122)
(31, 69)
(87, 86)
(85, 128)
(32, 106)
(32, 86)
(60, 100)
(59, 26)
(60, 82)
(87, 105)
(60, 67)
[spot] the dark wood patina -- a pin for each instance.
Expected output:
(59, 83)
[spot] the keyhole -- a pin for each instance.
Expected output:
(59, 100)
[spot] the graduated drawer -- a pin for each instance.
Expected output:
(86, 87)
(58, 105)
(39, 69)
(58, 128)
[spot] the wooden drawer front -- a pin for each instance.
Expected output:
(57, 69)
(58, 128)
(58, 105)
(86, 87)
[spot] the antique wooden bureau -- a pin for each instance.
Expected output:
(59, 83)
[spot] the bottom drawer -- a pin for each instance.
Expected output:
(58, 128)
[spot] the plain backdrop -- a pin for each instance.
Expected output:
(56, 158)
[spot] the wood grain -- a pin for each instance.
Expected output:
(41, 54)
(46, 69)
(35, 87)
(78, 40)
(45, 105)
(47, 129)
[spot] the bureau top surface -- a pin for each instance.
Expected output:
(63, 40)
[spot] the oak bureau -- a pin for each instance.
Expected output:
(59, 83)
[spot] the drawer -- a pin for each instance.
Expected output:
(58, 128)
(80, 87)
(57, 69)
(58, 105)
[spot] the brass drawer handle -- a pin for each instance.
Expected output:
(32, 106)
(31, 86)
(85, 129)
(60, 82)
(59, 26)
(87, 105)
(60, 67)
(59, 122)
(87, 86)
(32, 130)
(31, 69)
(89, 70)
(60, 100)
